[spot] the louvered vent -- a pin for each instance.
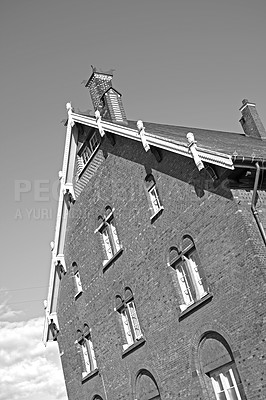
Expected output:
(115, 106)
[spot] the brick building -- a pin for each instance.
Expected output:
(157, 287)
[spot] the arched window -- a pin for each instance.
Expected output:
(218, 365)
(77, 279)
(108, 231)
(89, 363)
(146, 387)
(189, 272)
(125, 306)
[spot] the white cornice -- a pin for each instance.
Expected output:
(210, 156)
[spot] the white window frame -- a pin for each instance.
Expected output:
(134, 320)
(87, 151)
(127, 329)
(153, 196)
(130, 323)
(225, 385)
(78, 282)
(189, 278)
(154, 200)
(89, 359)
(110, 239)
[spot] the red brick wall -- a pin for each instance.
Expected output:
(232, 255)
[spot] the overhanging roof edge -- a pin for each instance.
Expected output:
(224, 160)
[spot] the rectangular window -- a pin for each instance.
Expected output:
(87, 151)
(89, 359)
(127, 329)
(134, 320)
(225, 384)
(110, 240)
(130, 324)
(154, 199)
(189, 273)
(190, 281)
(78, 282)
(107, 243)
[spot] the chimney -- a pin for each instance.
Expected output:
(250, 120)
(105, 98)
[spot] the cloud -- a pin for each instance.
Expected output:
(6, 313)
(28, 369)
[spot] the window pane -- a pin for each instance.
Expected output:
(107, 244)
(232, 394)
(196, 278)
(92, 354)
(78, 282)
(221, 396)
(134, 320)
(184, 284)
(86, 356)
(126, 325)
(154, 199)
(115, 236)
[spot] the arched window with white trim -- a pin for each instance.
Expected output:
(219, 368)
(86, 349)
(126, 308)
(189, 272)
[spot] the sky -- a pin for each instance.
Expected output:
(183, 62)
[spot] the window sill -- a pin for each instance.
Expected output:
(195, 306)
(89, 375)
(157, 214)
(77, 295)
(107, 263)
(134, 346)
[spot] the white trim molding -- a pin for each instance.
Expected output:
(210, 156)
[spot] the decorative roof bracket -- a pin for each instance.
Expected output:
(141, 130)
(192, 145)
(99, 122)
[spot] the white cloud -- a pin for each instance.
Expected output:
(6, 312)
(28, 369)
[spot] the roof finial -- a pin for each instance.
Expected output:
(93, 68)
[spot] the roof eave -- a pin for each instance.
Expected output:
(210, 156)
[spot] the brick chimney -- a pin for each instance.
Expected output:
(250, 120)
(105, 98)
